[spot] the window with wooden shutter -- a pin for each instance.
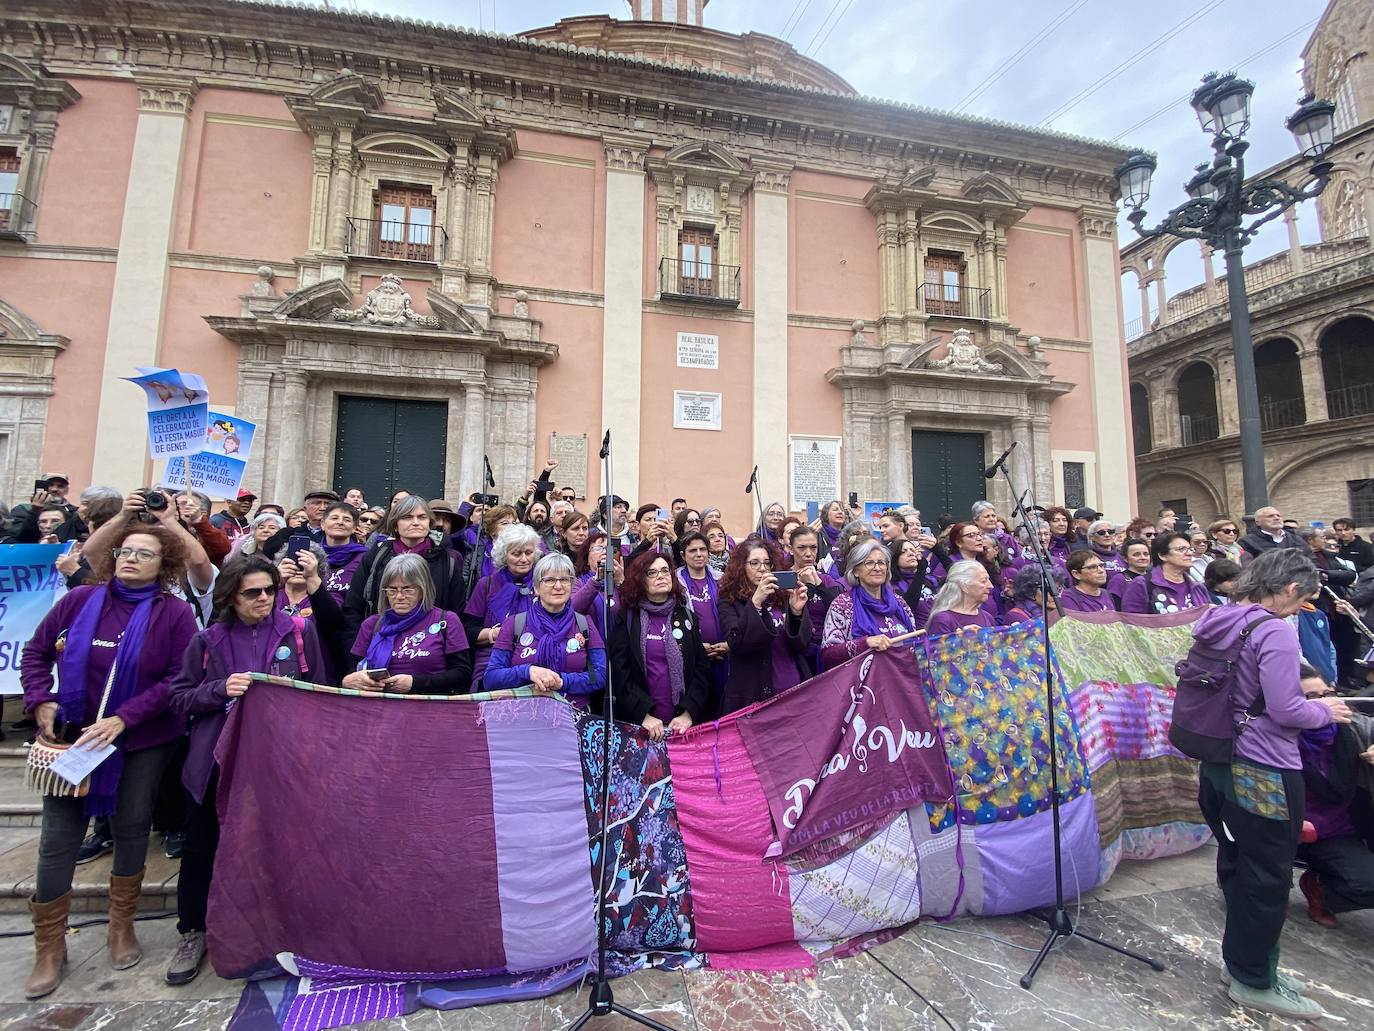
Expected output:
(404, 223)
(944, 286)
(9, 179)
(697, 254)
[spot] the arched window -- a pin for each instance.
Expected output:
(1197, 404)
(1140, 418)
(1279, 378)
(1347, 350)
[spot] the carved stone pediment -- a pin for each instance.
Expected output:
(315, 301)
(988, 187)
(963, 355)
(457, 105)
(387, 305)
(453, 316)
(918, 178)
(349, 88)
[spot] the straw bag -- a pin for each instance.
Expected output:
(38, 774)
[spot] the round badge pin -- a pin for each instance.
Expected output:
(283, 652)
(689, 624)
(434, 628)
(677, 633)
(572, 644)
(527, 638)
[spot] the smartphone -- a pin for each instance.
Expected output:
(813, 511)
(377, 674)
(927, 531)
(662, 515)
(786, 578)
(295, 545)
(40, 486)
(853, 499)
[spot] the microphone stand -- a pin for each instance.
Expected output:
(1060, 926)
(601, 1001)
(758, 495)
(474, 561)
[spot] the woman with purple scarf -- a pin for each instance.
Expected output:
(660, 671)
(700, 582)
(117, 644)
(833, 518)
(767, 628)
(412, 646)
(804, 550)
(551, 646)
(770, 523)
(502, 594)
(870, 614)
(342, 552)
(250, 635)
(1167, 587)
(589, 589)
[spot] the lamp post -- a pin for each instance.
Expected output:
(1219, 202)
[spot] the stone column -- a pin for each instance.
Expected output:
(1228, 411)
(910, 285)
(1213, 296)
(1290, 219)
(1043, 467)
(319, 193)
(899, 471)
(1145, 322)
(291, 445)
(138, 297)
(1161, 299)
(622, 318)
(341, 191)
(1163, 432)
(1313, 384)
(251, 403)
(1111, 402)
(474, 437)
(770, 326)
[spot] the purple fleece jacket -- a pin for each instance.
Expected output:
(1268, 662)
(170, 628)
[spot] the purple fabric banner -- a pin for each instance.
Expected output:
(342, 820)
(846, 748)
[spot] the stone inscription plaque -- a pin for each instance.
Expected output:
(570, 449)
(815, 470)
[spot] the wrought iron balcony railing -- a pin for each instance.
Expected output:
(1282, 413)
(698, 281)
(1198, 429)
(16, 217)
(403, 241)
(1347, 402)
(965, 302)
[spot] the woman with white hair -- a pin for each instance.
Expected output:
(550, 646)
(870, 614)
(261, 530)
(960, 601)
(411, 646)
(507, 591)
(1012, 554)
(1102, 537)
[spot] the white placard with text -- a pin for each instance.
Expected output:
(695, 411)
(815, 467)
(698, 351)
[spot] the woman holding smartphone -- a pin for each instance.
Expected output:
(765, 625)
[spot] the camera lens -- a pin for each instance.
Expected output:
(155, 500)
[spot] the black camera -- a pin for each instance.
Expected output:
(154, 501)
(490, 500)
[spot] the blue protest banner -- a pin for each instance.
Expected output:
(29, 586)
(230, 435)
(216, 475)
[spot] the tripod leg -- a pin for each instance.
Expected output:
(1029, 976)
(639, 1018)
(1154, 963)
(586, 1016)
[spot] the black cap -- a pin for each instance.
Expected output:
(327, 495)
(1087, 513)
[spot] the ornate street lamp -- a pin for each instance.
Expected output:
(1220, 200)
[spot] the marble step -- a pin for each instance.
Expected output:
(19, 807)
(14, 751)
(91, 886)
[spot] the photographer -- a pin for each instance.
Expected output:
(22, 525)
(194, 510)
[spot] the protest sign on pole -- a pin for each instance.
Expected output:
(230, 435)
(216, 475)
(178, 409)
(29, 586)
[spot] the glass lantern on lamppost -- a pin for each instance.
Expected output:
(1219, 201)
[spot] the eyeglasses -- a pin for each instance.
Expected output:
(1088, 567)
(1103, 533)
(658, 571)
(1150, 535)
(1185, 550)
(759, 563)
(393, 592)
(1228, 529)
(692, 522)
(257, 592)
(137, 554)
(366, 521)
(557, 581)
(873, 563)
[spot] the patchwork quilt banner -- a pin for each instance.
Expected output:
(846, 748)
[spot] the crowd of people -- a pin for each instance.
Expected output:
(173, 606)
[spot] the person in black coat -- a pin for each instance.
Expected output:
(410, 529)
(767, 628)
(660, 672)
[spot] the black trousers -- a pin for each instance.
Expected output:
(1345, 868)
(1255, 812)
(198, 860)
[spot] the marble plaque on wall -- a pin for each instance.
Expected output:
(570, 449)
(815, 465)
(693, 410)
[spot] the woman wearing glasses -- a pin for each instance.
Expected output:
(766, 627)
(1167, 587)
(118, 644)
(1087, 591)
(870, 613)
(1225, 535)
(251, 634)
(412, 645)
(502, 594)
(343, 553)
(551, 646)
(660, 673)
(369, 524)
(967, 543)
(1101, 535)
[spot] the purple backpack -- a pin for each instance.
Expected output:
(1204, 725)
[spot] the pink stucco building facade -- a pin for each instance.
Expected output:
(705, 242)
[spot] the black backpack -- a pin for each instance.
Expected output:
(1204, 725)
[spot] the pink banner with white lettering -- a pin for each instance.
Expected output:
(847, 748)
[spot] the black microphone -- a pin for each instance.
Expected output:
(753, 478)
(991, 470)
(606, 445)
(491, 480)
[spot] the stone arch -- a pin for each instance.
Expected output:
(986, 186)
(315, 301)
(1193, 480)
(348, 87)
(951, 220)
(29, 353)
(1278, 378)
(1315, 485)
(401, 145)
(1196, 387)
(1346, 347)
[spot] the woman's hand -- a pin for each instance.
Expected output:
(717, 651)
(654, 726)
(309, 565)
(360, 681)
(1340, 712)
(402, 682)
(879, 642)
(102, 732)
(681, 722)
(45, 715)
(798, 599)
(489, 634)
(764, 589)
(809, 575)
(545, 681)
(237, 684)
(70, 561)
(1368, 755)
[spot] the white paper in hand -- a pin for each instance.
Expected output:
(75, 764)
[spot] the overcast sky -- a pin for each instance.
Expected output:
(940, 54)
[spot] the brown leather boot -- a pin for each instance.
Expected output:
(1316, 900)
(125, 951)
(49, 945)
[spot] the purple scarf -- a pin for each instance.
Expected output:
(76, 657)
(389, 627)
(1313, 745)
(342, 554)
(554, 630)
(832, 535)
(868, 610)
(507, 595)
(672, 650)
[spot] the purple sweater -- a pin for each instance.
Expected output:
(146, 715)
(1152, 593)
(947, 621)
(1075, 600)
(1268, 662)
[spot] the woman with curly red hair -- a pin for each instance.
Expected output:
(767, 628)
(660, 673)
